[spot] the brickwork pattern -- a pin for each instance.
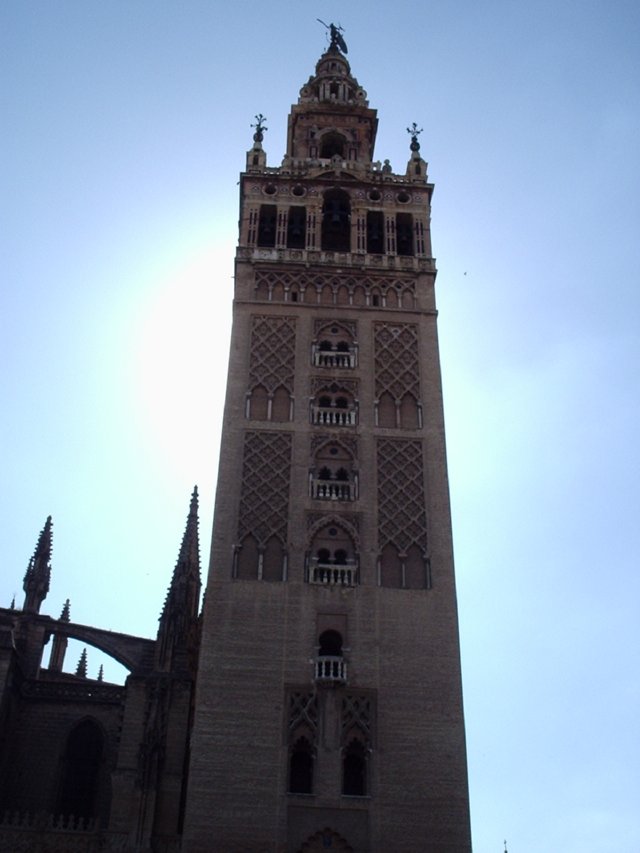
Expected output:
(317, 287)
(272, 355)
(401, 501)
(397, 365)
(264, 500)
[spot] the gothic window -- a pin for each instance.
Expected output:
(336, 221)
(267, 225)
(301, 767)
(409, 417)
(415, 569)
(354, 769)
(296, 227)
(404, 233)
(281, 406)
(259, 404)
(375, 232)
(386, 411)
(390, 567)
(273, 560)
(248, 559)
(81, 767)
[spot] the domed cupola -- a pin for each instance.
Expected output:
(333, 82)
(332, 125)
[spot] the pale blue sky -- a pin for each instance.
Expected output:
(124, 127)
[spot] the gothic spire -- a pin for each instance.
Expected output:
(38, 574)
(178, 622)
(81, 669)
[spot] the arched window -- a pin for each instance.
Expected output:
(259, 404)
(332, 143)
(336, 221)
(404, 233)
(248, 557)
(354, 770)
(296, 227)
(81, 771)
(390, 567)
(267, 225)
(330, 644)
(375, 232)
(273, 560)
(301, 767)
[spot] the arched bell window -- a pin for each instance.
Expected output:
(336, 221)
(333, 143)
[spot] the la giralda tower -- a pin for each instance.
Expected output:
(328, 712)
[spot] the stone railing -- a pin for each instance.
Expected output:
(331, 669)
(333, 417)
(334, 359)
(330, 574)
(333, 490)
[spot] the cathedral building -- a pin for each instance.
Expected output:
(315, 703)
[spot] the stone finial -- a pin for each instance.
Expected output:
(65, 616)
(81, 669)
(101, 673)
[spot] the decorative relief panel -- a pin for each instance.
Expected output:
(303, 713)
(348, 326)
(349, 443)
(401, 501)
(264, 501)
(357, 715)
(377, 290)
(272, 357)
(319, 384)
(397, 364)
(347, 521)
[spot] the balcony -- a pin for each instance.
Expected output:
(332, 490)
(324, 416)
(332, 574)
(331, 669)
(334, 359)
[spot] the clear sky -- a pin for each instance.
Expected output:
(124, 127)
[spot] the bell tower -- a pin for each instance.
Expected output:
(328, 711)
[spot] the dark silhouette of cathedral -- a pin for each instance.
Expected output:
(314, 702)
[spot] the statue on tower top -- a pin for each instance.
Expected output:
(335, 34)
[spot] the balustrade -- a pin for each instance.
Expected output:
(328, 358)
(333, 490)
(331, 669)
(333, 417)
(330, 574)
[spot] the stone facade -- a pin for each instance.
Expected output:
(328, 704)
(316, 702)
